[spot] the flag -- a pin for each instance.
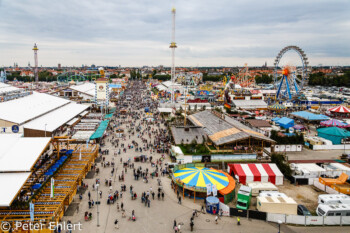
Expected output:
(52, 194)
(31, 210)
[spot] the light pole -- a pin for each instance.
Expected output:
(97, 204)
(45, 130)
(279, 226)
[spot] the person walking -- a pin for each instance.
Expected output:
(174, 223)
(116, 226)
(191, 225)
(238, 221)
(89, 195)
(179, 200)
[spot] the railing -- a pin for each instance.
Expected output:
(249, 151)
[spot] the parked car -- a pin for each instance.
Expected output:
(302, 210)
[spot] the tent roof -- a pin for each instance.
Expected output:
(55, 119)
(310, 116)
(250, 104)
(23, 109)
(276, 119)
(12, 182)
(285, 120)
(100, 130)
(340, 108)
(226, 130)
(19, 154)
(334, 131)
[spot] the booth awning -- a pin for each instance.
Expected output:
(108, 116)
(100, 130)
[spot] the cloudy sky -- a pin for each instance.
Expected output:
(138, 32)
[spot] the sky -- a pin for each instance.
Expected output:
(208, 33)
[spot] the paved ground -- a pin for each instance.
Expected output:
(161, 214)
(307, 154)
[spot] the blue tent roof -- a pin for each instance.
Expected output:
(285, 121)
(310, 116)
(275, 119)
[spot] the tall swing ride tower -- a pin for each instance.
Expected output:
(173, 46)
(35, 49)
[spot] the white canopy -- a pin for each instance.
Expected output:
(82, 135)
(29, 107)
(166, 110)
(19, 154)
(11, 183)
(57, 118)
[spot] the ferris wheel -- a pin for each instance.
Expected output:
(290, 80)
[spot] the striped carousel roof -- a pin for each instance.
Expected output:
(200, 177)
(277, 106)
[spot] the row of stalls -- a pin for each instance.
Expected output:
(264, 172)
(312, 170)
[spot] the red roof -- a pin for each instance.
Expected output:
(341, 109)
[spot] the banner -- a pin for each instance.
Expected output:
(208, 189)
(215, 191)
(225, 209)
(31, 211)
(52, 194)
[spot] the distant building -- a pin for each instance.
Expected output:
(59, 66)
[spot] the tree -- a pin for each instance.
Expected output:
(281, 163)
(164, 77)
(154, 72)
(264, 78)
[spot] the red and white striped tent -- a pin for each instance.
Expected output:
(340, 108)
(263, 172)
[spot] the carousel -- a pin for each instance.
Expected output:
(193, 182)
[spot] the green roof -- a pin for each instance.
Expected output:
(108, 116)
(334, 131)
(100, 130)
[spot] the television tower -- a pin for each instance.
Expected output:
(173, 47)
(36, 63)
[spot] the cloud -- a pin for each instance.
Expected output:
(136, 33)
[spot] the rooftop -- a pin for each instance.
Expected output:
(226, 130)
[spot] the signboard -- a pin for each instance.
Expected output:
(215, 191)
(15, 129)
(31, 211)
(208, 189)
(101, 91)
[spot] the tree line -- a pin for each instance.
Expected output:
(320, 79)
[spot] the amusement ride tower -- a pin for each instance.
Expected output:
(35, 49)
(173, 46)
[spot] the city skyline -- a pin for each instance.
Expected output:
(224, 33)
